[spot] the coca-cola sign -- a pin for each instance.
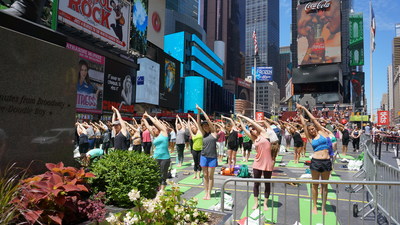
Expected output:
(320, 5)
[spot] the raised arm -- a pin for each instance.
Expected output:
(231, 121)
(247, 132)
(303, 123)
(312, 118)
(210, 124)
(146, 124)
(162, 128)
(121, 121)
(259, 128)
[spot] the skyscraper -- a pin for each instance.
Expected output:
(284, 64)
(263, 16)
(185, 7)
(396, 76)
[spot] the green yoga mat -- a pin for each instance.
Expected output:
(184, 165)
(346, 157)
(190, 180)
(331, 192)
(268, 213)
(292, 164)
(279, 158)
(182, 189)
(334, 176)
(330, 218)
(206, 204)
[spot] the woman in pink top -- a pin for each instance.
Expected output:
(146, 140)
(263, 163)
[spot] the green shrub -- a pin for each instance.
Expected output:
(120, 171)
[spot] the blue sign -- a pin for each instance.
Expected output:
(140, 80)
(263, 73)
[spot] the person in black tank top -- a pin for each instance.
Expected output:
(120, 130)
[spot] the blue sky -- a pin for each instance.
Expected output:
(387, 14)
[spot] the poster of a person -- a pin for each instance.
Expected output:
(127, 91)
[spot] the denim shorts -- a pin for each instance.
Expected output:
(208, 162)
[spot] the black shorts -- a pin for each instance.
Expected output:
(298, 144)
(321, 165)
(247, 146)
(345, 141)
(240, 141)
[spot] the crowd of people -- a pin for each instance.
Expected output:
(216, 142)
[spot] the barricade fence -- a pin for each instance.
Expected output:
(343, 208)
(379, 192)
(384, 198)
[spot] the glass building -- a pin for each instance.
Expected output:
(263, 16)
(185, 7)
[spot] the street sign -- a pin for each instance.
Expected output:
(383, 117)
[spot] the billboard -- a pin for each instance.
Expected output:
(147, 82)
(119, 88)
(155, 29)
(259, 116)
(194, 93)
(383, 117)
(140, 17)
(169, 81)
(319, 32)
(356, 47)
(263, 73)
(89, 88)
(106, 20)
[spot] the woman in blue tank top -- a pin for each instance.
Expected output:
(160, 141)
(321, 164)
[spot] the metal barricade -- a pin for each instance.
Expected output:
(390, 188)
(385, 199)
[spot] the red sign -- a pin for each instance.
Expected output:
(243, 83)
(383, 117)
(259, 116)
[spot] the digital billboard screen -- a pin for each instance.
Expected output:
(319, 32)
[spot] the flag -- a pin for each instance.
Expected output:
(255, 42)
(373, 29)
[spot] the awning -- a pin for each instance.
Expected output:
(316, 74)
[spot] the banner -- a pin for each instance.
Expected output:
(259, 116)
(356, 39)
(106, 20)
(319, 32)
(169, 81)
(119, 88)
(89, 95)
(383, 117)
(155, 29)
(138, 38)
(148, 82)
(263, 73)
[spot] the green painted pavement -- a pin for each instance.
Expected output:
(330, 218)
(190, 180)
(331, 192)
(182, 189)
(268, 213)
(206, 204)
(292, 164)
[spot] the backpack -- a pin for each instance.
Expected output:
(244, 172)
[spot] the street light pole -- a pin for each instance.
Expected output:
(255, 86)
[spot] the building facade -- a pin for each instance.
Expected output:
(189, 8)
(284, 68)
(268, 97)
(335, 63)
(202, 74)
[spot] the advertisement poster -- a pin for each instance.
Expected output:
(356, 40)
(148, 82)
(119, 88)
(263, 73)
(140, 19)
(169, 82)
(107, 20)
(319, 32)
(383, 117)
(155, 29)
(89, 95)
